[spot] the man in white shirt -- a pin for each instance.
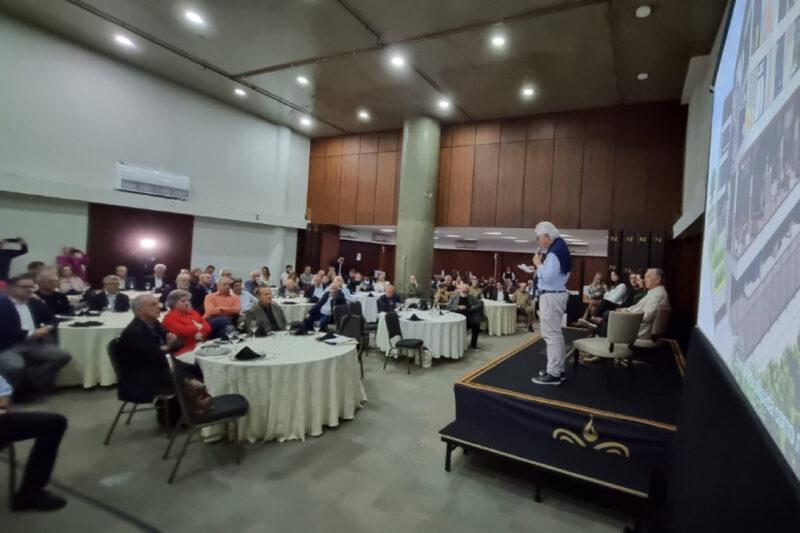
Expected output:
(246, 299)
(286, 273)
(655, 299)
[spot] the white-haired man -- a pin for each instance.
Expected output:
(553, 273)
(157, 281)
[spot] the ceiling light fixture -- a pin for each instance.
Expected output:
(492, 233)
(387, 230)
(147, 243)
(520, 240)
(498, 41)
(363, 114)
(642, 76)
(397, 60)
(444, 103)
(194, 18)
(509, 238)
(454, 236)
(302, 80)
(643, 11)
(527, 91)
(240, 92)
(305, 121)
(124, 41)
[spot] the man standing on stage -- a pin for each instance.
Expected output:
(552, 273)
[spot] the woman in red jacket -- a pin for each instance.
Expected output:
(185, 322)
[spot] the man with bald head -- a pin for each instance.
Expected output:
(388, 301)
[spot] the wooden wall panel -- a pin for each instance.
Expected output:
(333, 177)
(510, 181)
(464, 134)
(365, 199)
(569, 125)
(597, 180)
(484, 191)
(385, 188)
(567, 168)
(389, 141)
(537, 188)
(628, 205)
(316, 182)
(459, 205)
(446, 138)
(443, 186)
(348, 190)
(541, 127)
(369, 143)
(352, 145)
(513, 130)
(334, 146)
(317, 148)
(487, 132)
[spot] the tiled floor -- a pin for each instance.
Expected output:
(382, 471)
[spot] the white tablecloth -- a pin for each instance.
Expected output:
(293, 312)
(90, 365)
(300, 387)
(502, 317)
(444, 336)
(369, 304)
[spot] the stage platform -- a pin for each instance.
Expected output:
(609, 430)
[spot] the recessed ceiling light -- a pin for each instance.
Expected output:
(436, 238)
(454, 236)
(147, 243)
(305, 121)
(498, 41)
(527, 91)
(509, 238)
(363, 114)
(387, 230)
(302, 80)
(565, 235)
(397, 60)
(643, 11)
(519, 240)
(444, 103)
(492, 232)
(194, 18)
(124, 41)
(240, 92)
(642, 76)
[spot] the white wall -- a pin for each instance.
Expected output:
(46, 224)
(67, 115)
(242, 246)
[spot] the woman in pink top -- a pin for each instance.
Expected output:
(74, 258)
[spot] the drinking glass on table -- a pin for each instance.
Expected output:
(253, 327)
(147, 286)
(316, 326)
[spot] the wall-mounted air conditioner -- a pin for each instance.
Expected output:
(153, 182)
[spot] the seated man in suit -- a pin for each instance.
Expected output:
(109, 298)
(253, 282)
(322, 311)
(199, 292)
(499, 293)
(389, 301)
(56, 301)
(471, 307)
(126, 283)
(222, 307)
(655, 299)
(524, 304)
(315, 289)
(264, 315)
(413, 289)
(29, 355)
(158, 281)
(289, 289)
(47, 430)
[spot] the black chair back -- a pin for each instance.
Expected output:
(176, 381)
(340, 312)
(353, 327)
(112, 349)
(393, 325)
(355, 308)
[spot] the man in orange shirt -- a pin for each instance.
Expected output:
(221, 308)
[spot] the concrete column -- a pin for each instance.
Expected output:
(416, 205)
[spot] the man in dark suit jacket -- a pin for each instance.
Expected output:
(265, 315)
(47, 280)
(28, 350)
(323, 309)
(498, 290)
(157, 281)
(200, 291)
(389, 301)
(101, 300)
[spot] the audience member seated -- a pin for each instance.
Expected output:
(339, 280)
(315, 289)
(143, 346)
(68, 282)
(524, 304)
(195, 273)
(322, 310)
(289, 289)
(29, 355)
(222, 307)
(508, 275)
(75, 258)
(246, 299)
(47, 430)
(441, 297)
(7, 254)
(253, 282)
(186, 323)
(108, 298)
(126, 283)
(475, 287)
(638, 290)
(199, 292)
(412, 289)
(286, 274)
(471, 307)
(655, 299)
(364, 283)
(592, 296)
(612, 299)
(226, 272)
(266, 276)
(210, 271)
(184, 282)
(448, 284)
(34, 267)
(388, 301)
(264, 315)
(381, 283)
(57, 302)
(157, 282)
(306, 277)
(351, 274)
(499, 293)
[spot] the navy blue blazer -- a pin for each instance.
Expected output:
(11, 331)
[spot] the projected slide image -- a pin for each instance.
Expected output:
(750, 282)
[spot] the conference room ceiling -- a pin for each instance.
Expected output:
(573, 53)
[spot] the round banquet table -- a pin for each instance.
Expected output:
(444, 335)
(369, 304)
(90, 365)
(300, 386)
(501, 316)
(294, 312)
